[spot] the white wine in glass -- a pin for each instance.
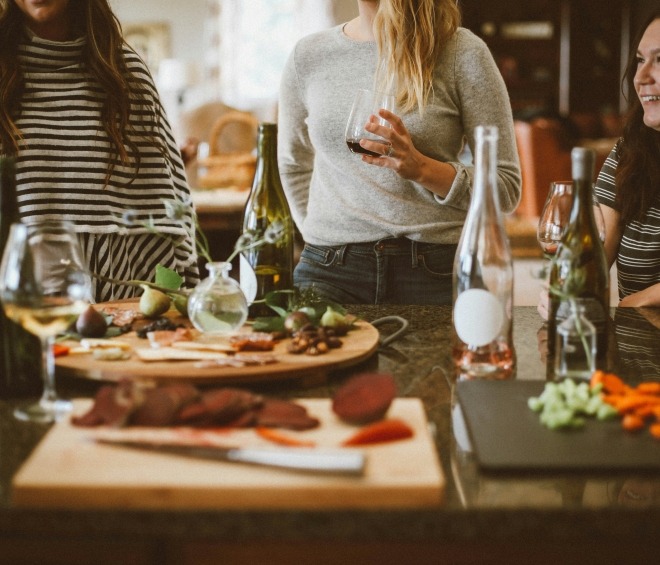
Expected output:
(44, 287)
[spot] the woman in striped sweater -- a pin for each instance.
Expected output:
(79, 110)
(628, 186)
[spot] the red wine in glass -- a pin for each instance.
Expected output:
(366, 106)
(355, 147)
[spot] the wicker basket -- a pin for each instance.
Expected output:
(228, 169)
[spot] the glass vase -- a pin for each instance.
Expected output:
(575, 350)
(218, 305)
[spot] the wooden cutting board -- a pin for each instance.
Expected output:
(357, 345)
(507, 436)
(70, 470)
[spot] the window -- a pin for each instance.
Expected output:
(255, 39)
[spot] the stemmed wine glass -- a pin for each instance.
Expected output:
(44, 287)
(366, 104)
(554, 219)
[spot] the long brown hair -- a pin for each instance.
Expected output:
(410, 35)
(103, 58)
(638, 172)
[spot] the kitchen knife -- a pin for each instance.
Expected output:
(344, 461)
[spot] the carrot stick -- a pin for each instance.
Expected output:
(59, 350)
(381, 431)
(632, 423)
(634, 404)
(281, 438)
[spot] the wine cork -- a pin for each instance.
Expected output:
(582, 163)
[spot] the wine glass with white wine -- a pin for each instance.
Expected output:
(44, 287)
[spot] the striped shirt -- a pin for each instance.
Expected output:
(638, 257)
(62, 165)
(637, 346)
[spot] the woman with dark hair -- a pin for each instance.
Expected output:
(80, 112)
(628, 186)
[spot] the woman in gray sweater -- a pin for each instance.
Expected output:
(385, 229)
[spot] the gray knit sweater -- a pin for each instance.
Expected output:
(335, 197)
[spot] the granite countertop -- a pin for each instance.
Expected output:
(520, 509)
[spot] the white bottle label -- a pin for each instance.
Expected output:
(248, 280)
(478, 316)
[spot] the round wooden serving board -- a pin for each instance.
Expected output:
(358, 345)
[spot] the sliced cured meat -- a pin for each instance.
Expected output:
(276, 413)
(219, 407)
(162, 404)
(255, 341)
(113, 405)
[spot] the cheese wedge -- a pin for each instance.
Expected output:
(176, 354)
(200, 346)
(101, 343)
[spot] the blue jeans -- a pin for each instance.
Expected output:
(388, 271)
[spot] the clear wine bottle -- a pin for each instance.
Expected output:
(268, 267)
(483, 277)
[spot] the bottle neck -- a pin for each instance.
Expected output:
(582, 168)
(582, 208)
(267, 146)
(485, 171)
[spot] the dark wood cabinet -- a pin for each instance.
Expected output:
(556, 56)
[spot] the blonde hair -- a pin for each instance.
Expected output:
(410, 35)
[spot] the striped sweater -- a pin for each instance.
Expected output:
(638, 258)
(62, 165)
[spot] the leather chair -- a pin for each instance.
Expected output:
(545, 156)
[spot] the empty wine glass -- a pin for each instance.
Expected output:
(553, 221)
(366, 104)
(554, 216)
(44, 287)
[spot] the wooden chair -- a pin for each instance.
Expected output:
(237, 135)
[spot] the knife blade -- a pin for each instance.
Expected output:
(344, 461)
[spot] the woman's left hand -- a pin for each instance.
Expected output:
(401, 157)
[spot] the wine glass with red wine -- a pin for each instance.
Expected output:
(366, 104)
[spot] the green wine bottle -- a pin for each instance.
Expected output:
(267, 267)
(579, 274)
(20, 351)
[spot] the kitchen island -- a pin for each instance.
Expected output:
(522, 517)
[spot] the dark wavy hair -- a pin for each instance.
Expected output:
(638, 172)
(103, 58)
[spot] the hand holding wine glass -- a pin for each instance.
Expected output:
(366, 104)
(44, 287)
